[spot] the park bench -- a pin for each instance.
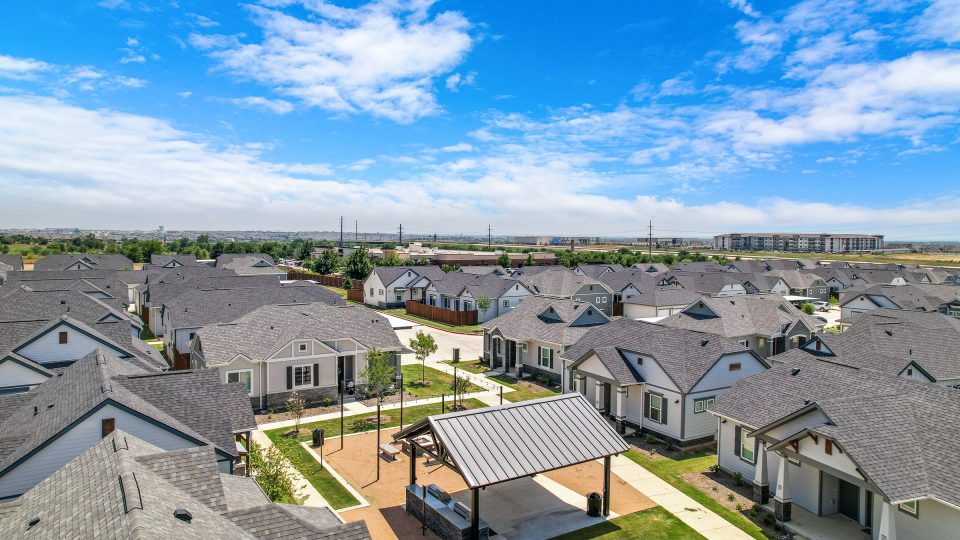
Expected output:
(389, 452)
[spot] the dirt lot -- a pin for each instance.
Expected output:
(387, 519)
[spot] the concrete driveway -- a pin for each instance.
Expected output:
(831, 316)
(471, 346)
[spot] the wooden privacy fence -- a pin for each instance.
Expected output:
(618, 309)
(442, 315)
(355, 295)
(329, 281)
(180, 360)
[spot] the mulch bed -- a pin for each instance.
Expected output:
(392, 398)
(284, 415)
(720, 486)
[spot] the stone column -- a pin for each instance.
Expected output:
(782, 503)
(582, 384)
(888, 525)
(761, 485)
(621, 409)
(598, 395)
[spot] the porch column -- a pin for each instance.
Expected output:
(475, 515)
(606, 486)
(782, 503)
(761, 485)
(888, 525)
(598, 395)
(581, 384)
(413, 462)
(621, 409)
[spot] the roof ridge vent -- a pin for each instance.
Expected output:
(795, 371)
(704, 342)
(129, 491)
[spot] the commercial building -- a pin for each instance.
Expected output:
(812, 242)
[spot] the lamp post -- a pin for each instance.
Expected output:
(342, 384)
(400, 379)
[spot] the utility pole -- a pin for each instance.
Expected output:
(488, 236)
(401, 235)
(356, 231)
(650, 239)
(341, 231)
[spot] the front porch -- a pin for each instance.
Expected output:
(806, 524)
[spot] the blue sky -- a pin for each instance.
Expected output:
(535, 117)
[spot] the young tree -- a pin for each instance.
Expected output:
(268, 467)
(483, 303)
(459, 387)
(807, 308)
(529, 261)
(423, 345)
(328, 263)
(295, 405)
(358, 264)
(379, 374)
(504, 260)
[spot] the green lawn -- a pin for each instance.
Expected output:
(651, 524)
(520, 393)
(338, 290)
(473, 366)
(439, 382)
(158, 345)
(472, 329)
(671, 469)
(328, 486)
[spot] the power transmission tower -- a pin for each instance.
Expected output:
(356, 231)
(488, 236)
(401, 235)
(341, 231)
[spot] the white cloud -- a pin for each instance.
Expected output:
(678, 86)
(114, 4)
(276, 106)
(21, 68)
(745, 7)
(941, 20)
(202, 21)
(456, 81)
(459, 147)
(360, 164)
(61, 165)
(184, 94)
(380, 59)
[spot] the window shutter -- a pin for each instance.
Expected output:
(316, 374)
(539, 355)
(289, 377)
(663, 410)
(736, 441)
(646, 404)
(551, 358)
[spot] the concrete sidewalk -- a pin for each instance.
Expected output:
(694, 514)
(301, 486)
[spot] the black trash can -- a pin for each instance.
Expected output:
(594, 504)
(318, 437)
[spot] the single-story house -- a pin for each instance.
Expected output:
(314, 349)
(84, 261)
(460, 291)
(658, 379)
(658, 302)
(392, 286)
(850, 448)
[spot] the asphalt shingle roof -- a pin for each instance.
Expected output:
(262, 332)
(389, 274)
(742, 315)
(489, 285)
(523, 323)
(557, 281)
(96, 261)
(685, 355)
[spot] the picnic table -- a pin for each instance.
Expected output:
(389, 452)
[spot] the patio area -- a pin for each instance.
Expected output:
(806, 524)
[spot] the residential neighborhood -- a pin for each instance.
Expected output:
(446, 270)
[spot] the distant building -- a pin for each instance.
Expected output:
(812, 242)
(532, 240)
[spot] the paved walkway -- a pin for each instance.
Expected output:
(694, 514)
(301, 486)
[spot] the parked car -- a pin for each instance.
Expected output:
(820, 305)
(821, 319)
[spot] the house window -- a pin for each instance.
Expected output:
(467, 305)
(604, 299)
(744, 342)
(506, 303)
(701, 405)
(639, 361)
(371, 291)
(828, 447)
(747, 445)
(107, 426)
(244, 376)
(735, 366)
(303, 347)
(63, 338)
(381, 292)
(302, 375)
(909, 371)
(912, 508)
(656, 408)
(399, 297)
(546, 357)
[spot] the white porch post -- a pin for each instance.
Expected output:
(888, 525)
(761, 484)
(621, 409)
(582, 384)
(598, 395)
(782, 503)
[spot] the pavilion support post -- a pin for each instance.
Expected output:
(606, 486)
(475, 515)
(413, 463)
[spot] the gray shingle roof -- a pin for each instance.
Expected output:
(888, 340)
(914, 296)
(594, 270)
(227, 258)
(506, 442)
(262, 332)
(166, 289)
(706, 282)
(663, 296)
(523, 323)
(123, 487)
(194, 403)
(618, 281)
(489, 285)
(198, 308)
(185, 260)
(685, 355)
(96, 261)
(742, 315)
(897, 431)
(484, 269)
(389, 274)
(14, 261)
(557, 281)
(652, 268)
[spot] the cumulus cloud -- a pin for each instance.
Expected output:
(455, 81)
(65, 163)
(21, 68)
(380, 59)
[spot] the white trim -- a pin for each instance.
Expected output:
(249, 371)
(293, 382)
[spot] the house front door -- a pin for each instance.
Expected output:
(848, 502)
(511, 355)
(606, 399)
(779, 345)
(344, 370)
